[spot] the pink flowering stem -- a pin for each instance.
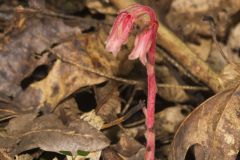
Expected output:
(144, 49)
(152, 89)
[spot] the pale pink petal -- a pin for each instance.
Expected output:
(119, 32)
(113, 47)
(142, 45)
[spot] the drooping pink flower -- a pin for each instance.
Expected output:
(123, 26)
(120, 32)
(142, 45)
(144, 49)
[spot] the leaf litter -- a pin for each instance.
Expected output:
(53, 61)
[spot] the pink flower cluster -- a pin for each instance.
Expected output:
(144, 49)
(144, 42)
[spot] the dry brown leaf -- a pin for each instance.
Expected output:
(67, 110)
(127, 146)
(24, 157)
(170, 94)
(234, 37)
(101, 7)
(212, 129)
(109, 154)
(4, 155)
(188, 15)
(202, 49)
(166, 122)
(21, 50)
(50, 134)
(64, 78)
(91, 156)
(215, 59)
(169, 119)
(140, 155)
(108, 101)
(93, 119)
(230, 76)
(36, 35)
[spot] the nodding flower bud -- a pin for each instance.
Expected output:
(123, 26)
(120, 32)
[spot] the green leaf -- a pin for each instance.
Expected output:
(82, 153)
(66, 153)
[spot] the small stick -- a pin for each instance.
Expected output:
(132, 111)
(129, 100)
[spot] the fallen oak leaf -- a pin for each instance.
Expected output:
(212, 129)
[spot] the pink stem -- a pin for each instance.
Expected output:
(152, 89)
(150, 135)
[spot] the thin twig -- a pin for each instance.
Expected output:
(176, 64)
(7, 117)
(133, 124)
(8, 111)
(132, 111)
(46, 13)
(212, 25)
(129, 100)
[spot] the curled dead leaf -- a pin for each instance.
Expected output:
(212, 129)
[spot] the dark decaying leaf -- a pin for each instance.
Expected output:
(50, 134)
(66, 75)
(26, 49)
(21, 49)
(212, 130)
(108, 101)
(127, 146)
(109, 153)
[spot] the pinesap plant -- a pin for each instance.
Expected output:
(144, 49)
